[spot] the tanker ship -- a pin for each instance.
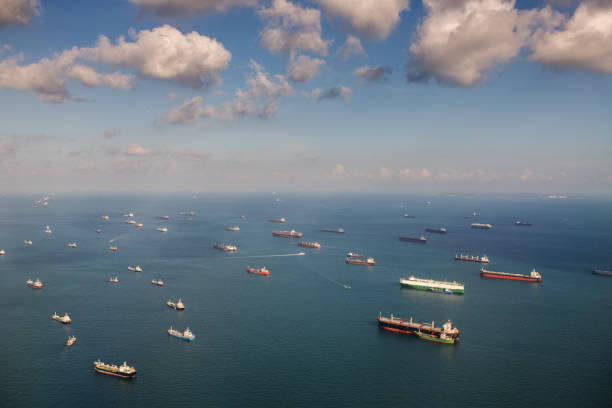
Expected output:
(433, 286)
(534, 276)
(186, 335)
(287, 234)
(447, 334)
(277, 220)
(314, 245)
(436, 230)
(123, 371)
(420, 240)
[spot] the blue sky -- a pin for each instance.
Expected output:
(516, 97)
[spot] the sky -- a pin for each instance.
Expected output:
(457, 96)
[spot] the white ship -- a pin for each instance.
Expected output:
(433, 286)
(27, 242)
(72, 244)
(2, 252)
(63, 319)
(136, 268)
(161, 229)
(48, 230)
(478, 225)
(233, 228)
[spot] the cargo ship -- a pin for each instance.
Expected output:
(113, 248)
(521, 223)
(161, 229)
(472, 258)
(433, 286)
(426, 331)
(277, 220)
(409, 216)
(163, 217)
(71, 341)
(105, 217)
(534, 276)
(65, 319)
(420, 240)
(136, 268)
(37, 284)
(314, 245)
(261, 271)
(354, 255)
(72, 244)
(287, 234)
(114, 279)
(233, 228)
(187, 213)
(157, 282)
(2, 252)
(358, 261)
(186, 335)
(337, 230)
(478, 225)
(601, 272)
(226, 247)
(48, 230)
(123, 371)
(27, 242)
(436, 230)
(176, 306)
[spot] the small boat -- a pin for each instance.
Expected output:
(113, 248)
(157, 282)
(233, 228)
(65, 319)
(37, 284)
(139, 225)
(314, 245)
(98, 230)
(114, 279)
(72, 244)
(27, 242)
(71, 341)
(105, 217)
(176, 306)
(161, 229)
(261, 271)
(243, 216)
(184, 335)
(428, 202)
(129, 215)
(123, 371)
(136, 268)
(48, 230)
(130, 221)
(2, 252)
(365, 262)
(354, 255)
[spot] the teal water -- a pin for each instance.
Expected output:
(299, 338)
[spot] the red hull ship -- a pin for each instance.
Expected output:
(534, 276)
(447, 333)
(314, 245)
(262, 271)
(356, 261)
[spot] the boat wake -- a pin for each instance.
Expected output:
(332, 280)
(116, 238)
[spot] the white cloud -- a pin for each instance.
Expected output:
(189, 112)
(338, 170)
(526, 175)
(138, 150)
(351, 47)
(291, 28)
(90, 77)
(303, 68)
(460, 40)
(583, 42)
(18, 11)
(372, 18)
(335, 92)
(373, 74)
(165, 53)
(187, 7)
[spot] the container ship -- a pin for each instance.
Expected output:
(277, 220)
(472, 258)
(420, 240)
(360, 261)
(226, 247)
(123, 371)
(534, 276)
(433, 286)
(261, 271)
(601, 272)
(314, 245)
(521, 223)
(436, 230)
(478, 225)
(287, 234)
(65, 319)
(427, 331)
(176, 306)
(37, 284)
(186, 335)
(337, 230)
(163, 217)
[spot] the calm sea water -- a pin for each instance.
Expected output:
(299, 338)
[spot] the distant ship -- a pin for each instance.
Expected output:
(287, 234)
(278, 220)
(157, 282)
(184, 335)
(260, 271)
(113, 248)
(409, 216)
(72, 244)
(98, 230)
(139, 225)
(420, 240)
(65, 319)
(129, 215)
(357, 261)
(233, 228)
(534, 276)
(472, 258)
(71, 341)
(351, 254)
(337, 230)
(136, 268)
(478, 225)
(27, 242)
(433, 286)
(161, 229)
(48, 230)
(426, 331)
(436, 230)
(177, 306)
(105, 217)
(123, 371)
(130, 221)
(226, 247)
(601, 272)
(2, 252)
(243, 216)
(521, 223)
(428, 202)
(314, 245)
(163, 217)
(37, 284)
(187, 213)
(114, 279)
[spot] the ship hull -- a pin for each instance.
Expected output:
(257, 272)
(278, 234)
(358, 262)
(601, 272)
(523, 278)
(420, 286)
(435, 231)
(182, 337)
(415, 240)
(120, 375)
(334, 231)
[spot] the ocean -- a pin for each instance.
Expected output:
(306, 336)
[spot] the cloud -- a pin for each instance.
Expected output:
(460, 40)
(351, 47)
(138, 150)
(290, 28)
(372, 18)
(18, 11)
(373, 74)
(189, 112)
(169, 8)
(338, 170)
(90, 77)
(334, 92)
(385, 173)
(165, 53)
(303, 68)
(110, 133)
(526, 175)
(583, 42)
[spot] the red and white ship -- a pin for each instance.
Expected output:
(358, 261)
(314, 245)
(261, 271)
(534, 276)
(287, 234)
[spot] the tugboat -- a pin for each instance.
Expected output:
(277, 220)
(113, 248)
(226, 247)
(472, 258)
(114, 280)
(34, 284)
(71, 341)
(186, 335)
(261, 271)
(48, 230)
(337, 231)
(426, 331)
(287, 234)
(233, 228)
(157, 282)
(65, 319)
(436, 230)
(161, 229)
(534, 276)
(176, 306)
(420, 240)
(137, 268)
(356, 261)
(72, 244)
(478, 225)
(123, 371)
(314, 245)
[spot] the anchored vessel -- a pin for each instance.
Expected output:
(123, 371)
(287, 234)
(433, 286)
(27, 242)
(278, 220)
(163, 217)
(409, 216)
(2, 252)
(354, 255)
(534, 276)
(226, 247)
(177, 306)
(48, 230)
(521, 223)
(478, 225)
(436, 230)
(72, 244)
(314, 245)
(602, 272)
(34, 284)
(71, 341)
(472, 258)
(184, 335)
(427, 331)
(161, 229)
(113, 248)
(136, 268)
(420, 240)
(233, 228)
(358, 261)
(98, 230)
(337, 230)
(105, 217)
(114, 279)
(63, 319)
(130, 222)
(157, 282)
(187, 213)
(260, 271)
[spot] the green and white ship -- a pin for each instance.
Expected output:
(433, 286)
